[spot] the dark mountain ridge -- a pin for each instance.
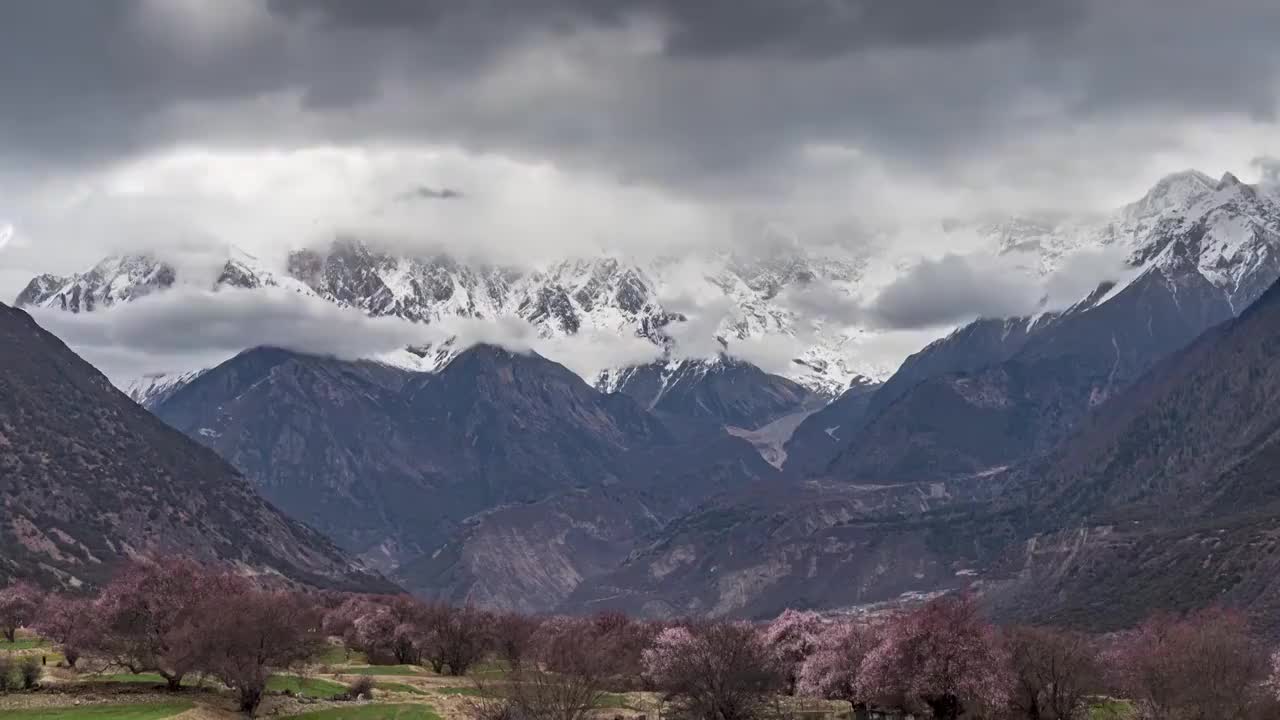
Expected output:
(88, 479)
(414, 471)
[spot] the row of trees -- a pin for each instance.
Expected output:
(944, 659)
(175, 618)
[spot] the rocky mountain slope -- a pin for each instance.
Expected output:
(942, 484)
(1163, 498)
(999, 390)
(88, 479)
(1169, 498)
(397, 465)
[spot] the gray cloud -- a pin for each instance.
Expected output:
(1268, 169)
(958, 288)
(637, 125)
(952, 290)
(719, 28)
(718, 96)
(185, 329)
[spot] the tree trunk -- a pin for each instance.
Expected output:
(944, 707)
(250, 698)
(11, 634)
(174, 681)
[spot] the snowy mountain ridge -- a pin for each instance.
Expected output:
(563, 299)
(720, 303)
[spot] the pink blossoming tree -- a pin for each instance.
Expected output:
(792, 636)
(944, 655)
(832, 670)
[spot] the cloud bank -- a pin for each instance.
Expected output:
(185, 329)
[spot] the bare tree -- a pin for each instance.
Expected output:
(144, 616)
(68, 621)
(1054, 671)
(245, 636)
(513, 637)
(457, 638)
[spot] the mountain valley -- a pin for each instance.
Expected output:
(1014, 455)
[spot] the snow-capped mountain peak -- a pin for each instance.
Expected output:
(114, 280)
(1171, 193)
(737, 300)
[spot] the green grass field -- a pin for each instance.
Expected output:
(22, 643)
(399, 687)
(491, 669)
(373, 712)
(1112, 710)
(148, 678)
(152, 711)
(614, 701)
(306, 687)
(381, 670)
(337, 654)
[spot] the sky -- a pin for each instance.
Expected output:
(521, 130)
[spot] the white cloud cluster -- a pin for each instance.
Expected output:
(186, 329)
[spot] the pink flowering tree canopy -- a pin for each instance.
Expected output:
(832, 669)
(719, 671)
(1206, 664)
(792, 637)
(944, 654)
(18, 605)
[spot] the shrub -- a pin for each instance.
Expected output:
(6, 673)
(29, 672)
(361, 688)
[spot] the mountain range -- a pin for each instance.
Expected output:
(1039, 459)
(396, 465)
(744, 299)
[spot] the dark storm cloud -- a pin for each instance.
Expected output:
(955, 289)
(951, 290)
(734, 91)
(718, 28)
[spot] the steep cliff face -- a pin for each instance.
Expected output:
(88, 479)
